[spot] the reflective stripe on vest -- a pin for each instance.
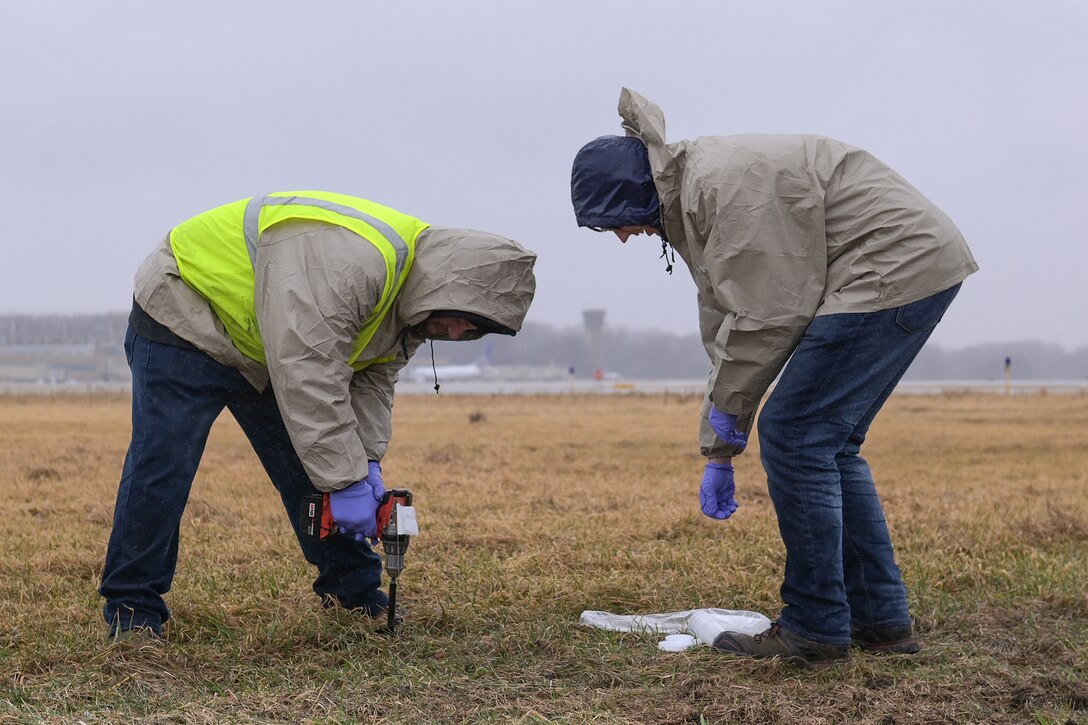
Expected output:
(216, 253)
(253, 228)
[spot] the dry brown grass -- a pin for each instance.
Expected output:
(534, 509)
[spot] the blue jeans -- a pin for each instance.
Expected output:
(840, 567)
(176, 396)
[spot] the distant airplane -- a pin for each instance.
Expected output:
(424, 372)
(444, 372)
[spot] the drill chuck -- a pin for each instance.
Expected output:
(396, 525)
(394, 547)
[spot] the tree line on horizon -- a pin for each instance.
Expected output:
(648, 354)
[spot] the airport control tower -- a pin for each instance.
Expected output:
(594, 322)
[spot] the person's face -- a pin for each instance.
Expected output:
(625, 233)
(448, 328)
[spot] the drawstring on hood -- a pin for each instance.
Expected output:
(665, 249)
(404, 349)
(434, 369)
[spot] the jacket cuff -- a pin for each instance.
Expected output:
(720, 450)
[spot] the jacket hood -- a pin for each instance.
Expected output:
(644, 120)
(611, 184)
(468, 271)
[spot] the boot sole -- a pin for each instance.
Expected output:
(903, 647)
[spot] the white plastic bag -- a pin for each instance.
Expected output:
(703, 625)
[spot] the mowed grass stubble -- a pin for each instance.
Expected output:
(533, 509)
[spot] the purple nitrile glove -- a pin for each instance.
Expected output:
(717, 491)
(355, 508)
(725, 427)
(374, 475)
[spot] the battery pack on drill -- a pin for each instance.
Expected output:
(316, 517)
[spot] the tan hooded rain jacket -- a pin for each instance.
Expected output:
(316, 283)
(777, 229)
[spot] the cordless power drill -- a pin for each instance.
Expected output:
(396, 525)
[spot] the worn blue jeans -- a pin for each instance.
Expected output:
(176, 396)
(841, 573)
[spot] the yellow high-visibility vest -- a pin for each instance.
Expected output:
(216, 251)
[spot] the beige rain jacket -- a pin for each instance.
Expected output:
(777, 229)
(315, 285)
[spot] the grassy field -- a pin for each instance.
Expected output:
(532, 510)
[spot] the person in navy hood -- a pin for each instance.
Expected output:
(821, 272)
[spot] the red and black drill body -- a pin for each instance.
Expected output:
(317, 523)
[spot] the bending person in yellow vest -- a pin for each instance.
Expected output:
(295, 311)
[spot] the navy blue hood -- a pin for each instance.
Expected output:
(611, 185)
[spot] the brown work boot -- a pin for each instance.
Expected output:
(779, 642)
(887, 640)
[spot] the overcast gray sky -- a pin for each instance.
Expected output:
(121, 119)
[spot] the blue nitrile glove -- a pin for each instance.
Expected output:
(725, 427)
(355, 509)
(374, 475)
(716, 493)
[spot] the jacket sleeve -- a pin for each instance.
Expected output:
(315, 286)
(711, 316)
(710, 321)
(372, 399)
(762, 230)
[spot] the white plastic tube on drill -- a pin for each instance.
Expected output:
(701, 625)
